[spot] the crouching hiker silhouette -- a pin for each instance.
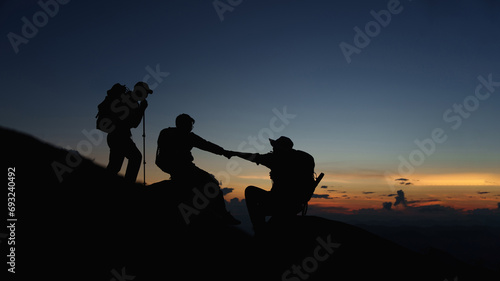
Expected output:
(174, 157)
(118, 113)
(292, 173)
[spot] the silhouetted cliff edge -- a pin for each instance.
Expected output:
(95, 226)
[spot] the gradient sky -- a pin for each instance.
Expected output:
(234, 71)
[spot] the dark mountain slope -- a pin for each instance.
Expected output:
(95, 226)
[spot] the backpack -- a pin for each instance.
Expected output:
(295, 170)
(106, 118)
(310, 193)
(161, 160)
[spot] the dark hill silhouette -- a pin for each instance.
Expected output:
(95, 226)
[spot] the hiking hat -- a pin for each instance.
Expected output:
(143, 85)
(282, 142)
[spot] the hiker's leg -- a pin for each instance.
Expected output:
(209, 186)
(255, 199)
(134, 157)
(115, 161)
(116, 156)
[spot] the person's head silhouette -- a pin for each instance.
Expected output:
(141, 91)
(184, 123)
(282, 144)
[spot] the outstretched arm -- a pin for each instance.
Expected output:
(259, 159)
(203, 144)
(244, 155)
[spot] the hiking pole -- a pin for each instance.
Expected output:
(144, 144)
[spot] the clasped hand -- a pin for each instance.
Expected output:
(228, 154)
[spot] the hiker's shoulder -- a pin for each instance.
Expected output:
(302, 155)
(168, 132)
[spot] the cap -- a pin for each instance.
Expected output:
(282, 142)
(144, 85)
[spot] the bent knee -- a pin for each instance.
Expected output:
(136, 157)
(252, 190)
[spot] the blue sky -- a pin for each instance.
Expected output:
(355, 118)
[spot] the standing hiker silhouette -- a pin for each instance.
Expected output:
(118, 113)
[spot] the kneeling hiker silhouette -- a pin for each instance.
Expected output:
(292, 173)
(174, 157)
